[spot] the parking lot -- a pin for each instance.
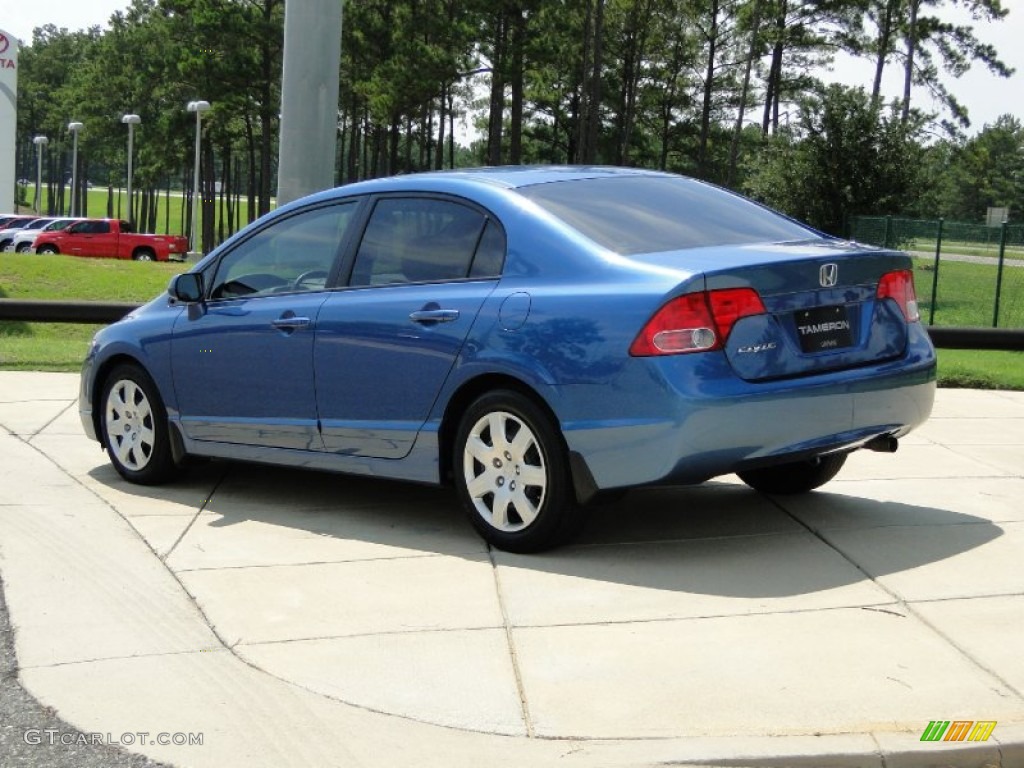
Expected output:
(308, 619)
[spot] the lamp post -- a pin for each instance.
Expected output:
(131, 121)
(40, 142)
(198, 107)
(74, 128)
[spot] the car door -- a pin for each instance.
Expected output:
(77, 235)
(385, 345)
(243, 362)
(94, 238)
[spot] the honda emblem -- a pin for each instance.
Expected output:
(828, 275)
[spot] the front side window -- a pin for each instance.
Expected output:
(92, 228)
(291, 255)
(414, 240)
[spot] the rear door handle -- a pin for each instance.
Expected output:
(290, 323)
(432, 316)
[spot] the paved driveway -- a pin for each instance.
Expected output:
(309, 619)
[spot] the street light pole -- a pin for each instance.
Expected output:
(74, 128)
(40, 142)
(131, 121)
(198, 107)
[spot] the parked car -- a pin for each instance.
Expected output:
(12, 227)
(14, 221)
(25, 241)
(111, 238)
(533, 336)
(20, 240)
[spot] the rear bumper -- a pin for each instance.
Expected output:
(693, 419)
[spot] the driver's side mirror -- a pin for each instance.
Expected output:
(187, 288)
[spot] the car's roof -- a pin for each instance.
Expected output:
(513, 176)
(466, 180)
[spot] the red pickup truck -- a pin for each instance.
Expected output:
(111, 238)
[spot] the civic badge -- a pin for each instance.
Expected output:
(828, 275)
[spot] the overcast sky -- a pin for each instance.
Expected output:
(985, 95)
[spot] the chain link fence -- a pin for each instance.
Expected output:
(967, 275)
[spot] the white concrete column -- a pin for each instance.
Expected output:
(309, 98)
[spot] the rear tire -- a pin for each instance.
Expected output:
(144, 254)
(799, 477)
(23, 248)
(134, 428)
(512, 474)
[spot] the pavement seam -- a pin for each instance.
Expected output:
(359, 635)
(203, 506)
(513, 655)
(104, 659)
(35, 400)
(954, 598)
(982, 459)
(908, 606)
(63, 410)
(258, 566)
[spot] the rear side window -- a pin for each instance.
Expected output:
(649, 214)
(415, 240)
(490, 254)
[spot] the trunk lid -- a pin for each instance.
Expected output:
(822, 308)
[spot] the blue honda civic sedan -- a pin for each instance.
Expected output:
(532, 336)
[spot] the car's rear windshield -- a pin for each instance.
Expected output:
(650, 214)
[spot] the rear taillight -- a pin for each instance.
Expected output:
(899, 286)
(695, 322)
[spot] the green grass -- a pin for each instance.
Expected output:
(981, 369)
(62, 346)
(966, 294)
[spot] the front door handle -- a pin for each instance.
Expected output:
(432, 316)
(291, 323)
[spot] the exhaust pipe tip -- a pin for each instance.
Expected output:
(883, 444)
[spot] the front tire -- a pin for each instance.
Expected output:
(512, 475)
(799, 477)
(134, 427)
(47, 250)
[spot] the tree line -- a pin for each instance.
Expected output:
(725, 90)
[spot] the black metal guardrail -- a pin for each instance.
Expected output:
(1008, 339)
(34, 311)
(109, 312)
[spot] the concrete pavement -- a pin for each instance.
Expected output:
(307, 619)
